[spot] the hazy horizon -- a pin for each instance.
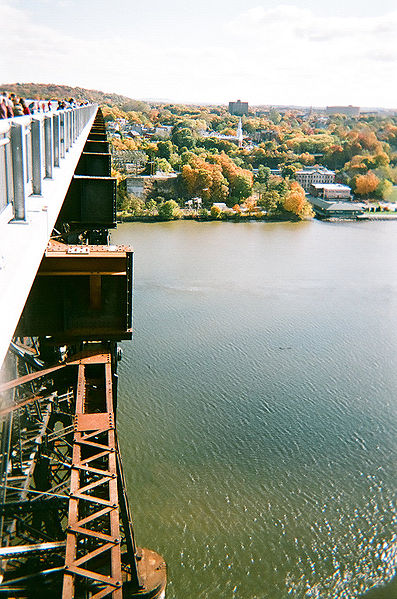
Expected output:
(3, 86)
(302, 53)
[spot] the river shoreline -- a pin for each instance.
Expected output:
(231, 219)
(129, 218)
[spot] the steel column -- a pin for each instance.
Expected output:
(56, 130)
(48, 146)
(19, 172)
(36, 156)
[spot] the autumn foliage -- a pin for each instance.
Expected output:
(366, 184)
(295, 201)
(216, 178)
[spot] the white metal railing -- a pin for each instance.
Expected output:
(30, 148)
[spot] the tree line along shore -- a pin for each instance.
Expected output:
(215, 176)
(255, 180)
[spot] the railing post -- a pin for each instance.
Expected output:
(55, 125)
(35, 147)
(36, 156)
(62, 133)
(18, 172)
(48, 146)
(70, 128)
(67, 130)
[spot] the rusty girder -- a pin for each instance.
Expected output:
(71, 486)
(93, 541)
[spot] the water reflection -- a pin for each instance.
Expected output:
(257, 406)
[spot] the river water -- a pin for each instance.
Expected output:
(257, 406)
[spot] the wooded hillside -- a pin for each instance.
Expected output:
(49, 91)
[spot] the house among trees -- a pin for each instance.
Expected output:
(146, 186)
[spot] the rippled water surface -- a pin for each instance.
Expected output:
(257, 406)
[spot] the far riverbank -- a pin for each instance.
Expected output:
(129, 218)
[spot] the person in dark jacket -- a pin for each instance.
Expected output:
(24, 107)
(9, 105)
(3, 108)
(18, 110)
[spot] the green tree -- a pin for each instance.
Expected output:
(384, 189)
(132, 205)
(162, 165)
(275, 116)
(203, 213)
(270, 201)
(165, 149)
(241, 187)
(169, 210)
(183, 138)
(151, 207)
(216, 212)
(263, 174)
(288, 170)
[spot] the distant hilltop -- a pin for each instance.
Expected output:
(52, 91)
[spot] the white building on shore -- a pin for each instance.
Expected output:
(314, 174)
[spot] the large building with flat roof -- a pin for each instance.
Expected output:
(348, 110)
(330, 191)
(238, 108)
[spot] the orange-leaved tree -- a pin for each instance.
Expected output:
(366, 184)
(295, 201)
(204, 179)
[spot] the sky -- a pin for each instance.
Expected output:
(303, 52)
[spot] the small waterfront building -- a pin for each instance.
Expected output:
(328, 209)
(194, 203)
(223, 207)
(329, 191)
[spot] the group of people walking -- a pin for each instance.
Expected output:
(12, 106)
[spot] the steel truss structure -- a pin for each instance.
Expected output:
(65, 521)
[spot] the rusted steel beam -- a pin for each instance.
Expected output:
(19, 550)
(96, 501)
(11, 582)
(127, 525)
(21, 404)
(94, 489)
(30, 377)
(86, 357)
